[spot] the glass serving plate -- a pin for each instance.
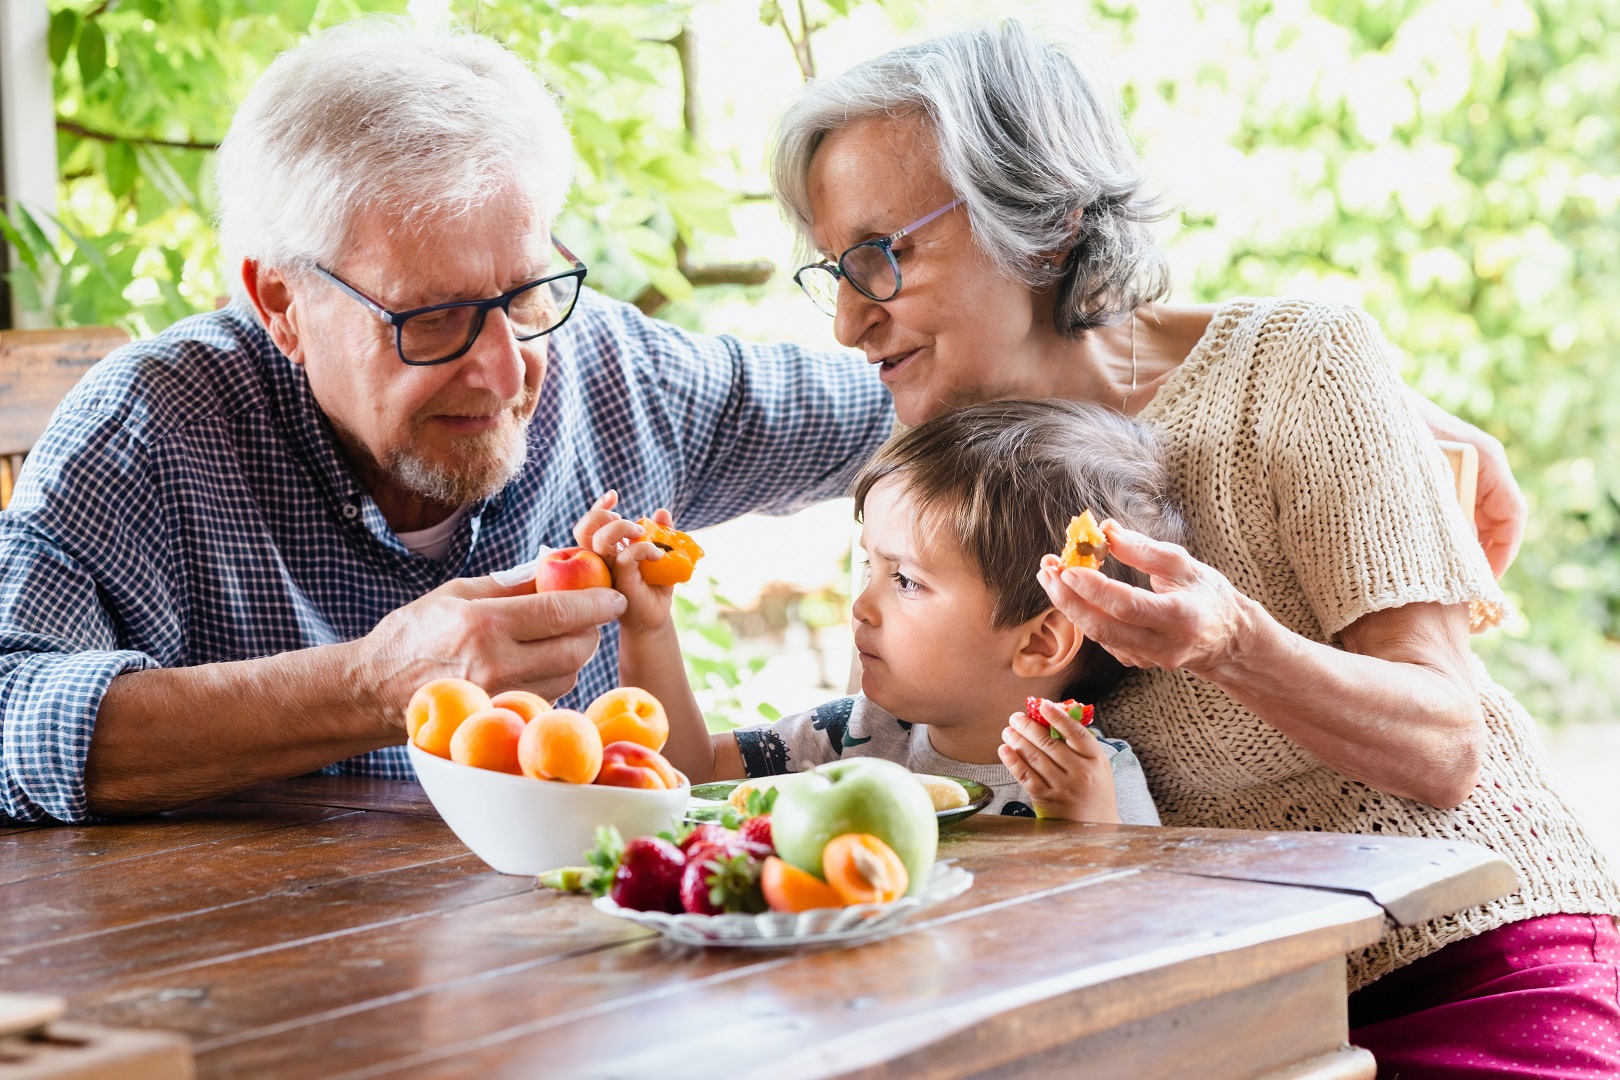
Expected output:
(709, 802)
(784, 930)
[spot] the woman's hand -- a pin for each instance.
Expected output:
(619, 542)
(1068, 778)
(1500, 511)
(1194, 619)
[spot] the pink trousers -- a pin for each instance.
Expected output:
(1538, 999)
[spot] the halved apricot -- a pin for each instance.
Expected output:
(680, 554)
(787, 888)
(560, 745)
(862, 869)
(630, 714)
(489, 740)
(438, 708)
(525, 704)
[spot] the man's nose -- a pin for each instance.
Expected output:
(494, 362)
(857, 314)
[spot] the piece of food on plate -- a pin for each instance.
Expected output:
(946, 793)
(1086, 545)
(739, 794)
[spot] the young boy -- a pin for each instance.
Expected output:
(953, 629)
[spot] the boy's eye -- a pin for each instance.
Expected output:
(903, 583)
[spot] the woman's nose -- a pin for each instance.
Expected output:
(856, 316)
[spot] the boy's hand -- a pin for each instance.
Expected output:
(621, 546)
(1066, 778)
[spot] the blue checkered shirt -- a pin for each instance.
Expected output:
(188, 505)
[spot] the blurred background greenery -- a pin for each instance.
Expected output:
(1451, 165)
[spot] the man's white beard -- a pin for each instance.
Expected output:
(480, 466)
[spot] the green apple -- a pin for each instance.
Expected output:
(861, 795)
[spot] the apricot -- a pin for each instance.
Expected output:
(572, 568)
(560, 745)
(679, 558)
(489, 740)
(862, 869)
(438, 708)
(1085, 545)
(526, 705)
(628, 764)
(787, 888)
(630, 714)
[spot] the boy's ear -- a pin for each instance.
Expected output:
(1047, 646)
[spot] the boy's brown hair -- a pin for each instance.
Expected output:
(1002, 479)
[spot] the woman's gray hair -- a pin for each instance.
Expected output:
(1037, 153)
(379, 114)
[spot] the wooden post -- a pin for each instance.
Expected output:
(27, 128)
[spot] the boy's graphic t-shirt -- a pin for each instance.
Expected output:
(855, 727)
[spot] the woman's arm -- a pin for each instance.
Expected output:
(1396, 709)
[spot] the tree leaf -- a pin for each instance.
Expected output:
(64, 25)
(121, 169)
(92, 53)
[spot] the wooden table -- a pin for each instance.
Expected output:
(334, 927)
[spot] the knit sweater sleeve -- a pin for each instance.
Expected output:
(1366, 509)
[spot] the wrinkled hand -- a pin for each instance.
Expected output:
(1500, 510)
(619, 542)
(1068, 778)
(1194, 619)
(502, 637)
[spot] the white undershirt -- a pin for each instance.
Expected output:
(433, 541)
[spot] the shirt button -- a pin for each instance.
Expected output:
(351, 511)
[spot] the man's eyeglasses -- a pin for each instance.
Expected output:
(870, 266)
(440, 333)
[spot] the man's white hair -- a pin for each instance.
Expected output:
(380, 114)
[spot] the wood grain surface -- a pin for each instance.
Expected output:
(333, 927)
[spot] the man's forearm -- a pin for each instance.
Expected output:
(169, 737)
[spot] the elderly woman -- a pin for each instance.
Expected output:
(1305, 662)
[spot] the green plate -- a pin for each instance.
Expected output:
(710, 801)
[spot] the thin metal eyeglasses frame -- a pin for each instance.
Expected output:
(884, 244)
(396, 319)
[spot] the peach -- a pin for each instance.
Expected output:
(630, 714)
(560, 745)
(572, 568)
(787, 888)
(526, 705)
(862, 869)
(629, 764)
(438, 708)
(489, 740)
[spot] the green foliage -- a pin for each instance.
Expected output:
(1454, 167)
(714, 666)
(145, 89)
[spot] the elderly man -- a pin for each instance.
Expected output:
(242, 544)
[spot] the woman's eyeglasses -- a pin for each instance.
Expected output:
(870, 267)
(442, 332)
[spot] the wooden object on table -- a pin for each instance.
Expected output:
(36, 1044)
(290, 936)
(1464, 462)
(37, 368)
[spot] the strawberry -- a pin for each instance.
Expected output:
(757, 830)
(1083, 713)
(705, 835)
(716, 881)
(649, 876)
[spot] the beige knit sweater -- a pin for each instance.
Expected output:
(1311, 484)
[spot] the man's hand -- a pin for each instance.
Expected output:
(1068, 778)
(502, 637)
(1500, 511)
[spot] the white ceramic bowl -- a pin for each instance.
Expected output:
(523, 826)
